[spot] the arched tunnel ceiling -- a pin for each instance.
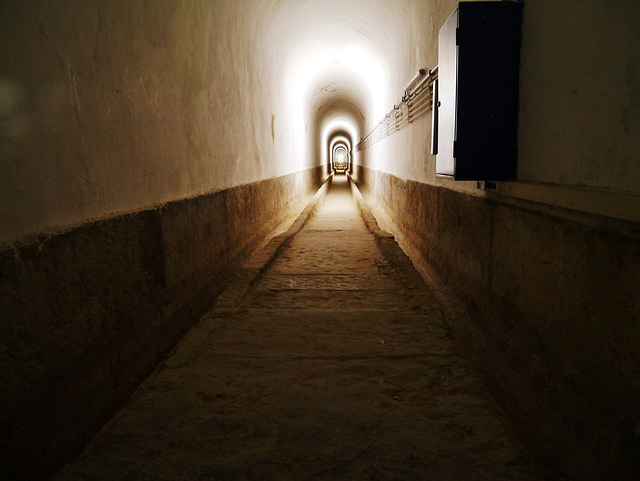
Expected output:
(341, 59)
(334, 91)
(340, 138)
(307, 26)
(332, 114)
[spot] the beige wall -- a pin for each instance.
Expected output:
(580, 103)
(111, 106)
(579, 109)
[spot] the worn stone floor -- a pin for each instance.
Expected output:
(334, 364)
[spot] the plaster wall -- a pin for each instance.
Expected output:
(579, 102)
(110, 107)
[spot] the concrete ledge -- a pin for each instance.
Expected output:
(558, 293)
(228, 301)
(261, 260)
(399, 261)
(85, 315)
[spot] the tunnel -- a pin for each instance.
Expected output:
(162, 161)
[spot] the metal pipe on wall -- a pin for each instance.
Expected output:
(415, 82)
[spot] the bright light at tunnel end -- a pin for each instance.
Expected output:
(311, 65)
(330, 137)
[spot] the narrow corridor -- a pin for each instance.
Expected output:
(335, 364)
(148, 151)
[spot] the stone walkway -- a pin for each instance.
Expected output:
(335, 363)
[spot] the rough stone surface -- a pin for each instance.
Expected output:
(85, 315)
(557, 291)
(327, 368)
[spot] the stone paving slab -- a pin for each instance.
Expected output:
(295, 413)
(334, 225)
(281, 383)
(316, 298)
(320, 332)
(338, 282)
(412, 417)
(330, 253)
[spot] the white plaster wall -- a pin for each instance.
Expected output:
(579, 138)
(580, 102)
(406, 153)
(111, 106)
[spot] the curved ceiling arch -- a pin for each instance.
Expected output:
(338, 141)
(339, 145)
(341, 125)
(340, 138)
(337, 60)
